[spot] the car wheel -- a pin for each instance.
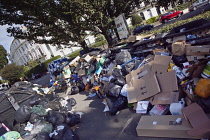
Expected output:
(150, 28)
(194, 8)
(166, 20)
(180, 14)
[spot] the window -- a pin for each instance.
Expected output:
(26, 46)
(142, 16)
(40, 51)
(18, 40)
(23, 49)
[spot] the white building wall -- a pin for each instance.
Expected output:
(90, 40)
(154, 12)
(22, 51)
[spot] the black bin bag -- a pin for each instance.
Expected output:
(112, 90)
(116, 104)
(23, 114)
(123, 57)
(63, 132)
(42, 136)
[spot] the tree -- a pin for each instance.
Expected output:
(136, 19)
(62, 21)
(3, 57)
(99, 38)
(12, 72)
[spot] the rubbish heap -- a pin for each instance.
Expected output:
(29, 111)
(166, 79)
(169, 82)
(170, 85)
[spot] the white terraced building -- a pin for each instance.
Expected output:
(22, 51)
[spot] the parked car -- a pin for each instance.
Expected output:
(142, 28)
(197, 4)
(167, 16)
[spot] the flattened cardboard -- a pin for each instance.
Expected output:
(165, 98)
(198, 50)
(159, 69)
(158, 126)
(131, 95)
(167, 81)
(87, 58)
(194, 58)
(133, 38)
(179, 38)
(74, 61)
(163, 60)
(198, 119)
(144, 90)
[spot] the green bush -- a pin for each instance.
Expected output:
(136, 19)
(152, 20)
(12, 72)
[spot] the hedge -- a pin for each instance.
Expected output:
(74, 54)
(169, 27)
(152, 20)
(183, 6)
(98, 44)
(40, 68)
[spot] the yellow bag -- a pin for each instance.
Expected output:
(203, 88)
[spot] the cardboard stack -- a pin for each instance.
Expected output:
(161, 87)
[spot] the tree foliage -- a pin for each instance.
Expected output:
(3, 57)
(12, 72)
(61, 21)
(136, 19)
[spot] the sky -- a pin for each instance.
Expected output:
(5, 40)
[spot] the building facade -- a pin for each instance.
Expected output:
(22, 51)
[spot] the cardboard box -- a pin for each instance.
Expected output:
(198, 119)
(167, 81)
(133, 38)
(179, 48)
(198, 50)
(194, 58)
(179, 38)
(142, 90)
(87, 58)
(159, 126)
(165, 98)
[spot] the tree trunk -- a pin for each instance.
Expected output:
(84, 46)
(107, 36)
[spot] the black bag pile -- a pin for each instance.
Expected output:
(32, 117)
(115, 100)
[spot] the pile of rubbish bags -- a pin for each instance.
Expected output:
(44, 115)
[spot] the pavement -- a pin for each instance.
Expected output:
(98, 125)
